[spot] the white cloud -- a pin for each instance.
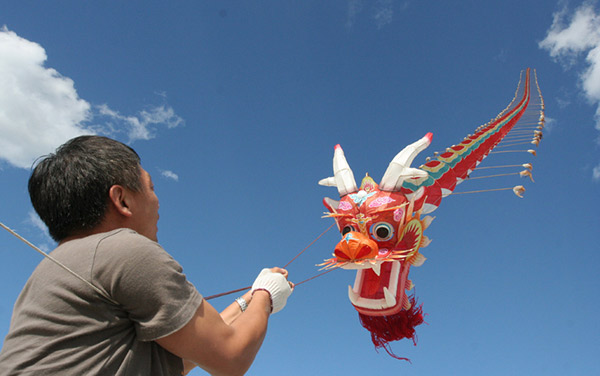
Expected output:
(140, 127)
(170, 175)
(549, 124)
(384, 12)
(596, 173)
(40, 109)
(563, 102)
(354, 8)
(566, 42)
(501, 56)
(36, 222)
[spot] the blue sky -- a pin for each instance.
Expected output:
(235, 108)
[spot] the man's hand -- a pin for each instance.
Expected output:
(275, 282)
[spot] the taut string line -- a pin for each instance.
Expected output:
(285, 266)
(102, 293)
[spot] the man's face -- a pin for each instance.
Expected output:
(145, 208)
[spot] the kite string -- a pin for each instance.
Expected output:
(315, 276)
(483, 190)
(492, 176)
(102, 293)
(503, 166)
(285, 266)
(249, 287)
(311, 243)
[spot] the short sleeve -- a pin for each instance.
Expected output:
(147, 282)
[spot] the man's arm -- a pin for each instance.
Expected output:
(229, 314)
(218, 348)
(233, 311)
(227, 343)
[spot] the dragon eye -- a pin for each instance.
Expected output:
(382, 231)
(347, 229)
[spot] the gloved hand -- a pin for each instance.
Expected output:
(276, 285)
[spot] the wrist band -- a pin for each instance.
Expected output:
(268, 292)
(242, 302)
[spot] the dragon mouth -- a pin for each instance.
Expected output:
(382, 293)
(381, 274)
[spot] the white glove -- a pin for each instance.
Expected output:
(276, 285)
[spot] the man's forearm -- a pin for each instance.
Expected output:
(250, 329)
(233, 311)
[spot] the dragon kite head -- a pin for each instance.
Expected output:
(382, 232)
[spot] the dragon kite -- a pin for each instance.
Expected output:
(382, 224)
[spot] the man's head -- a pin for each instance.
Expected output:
(70, 188)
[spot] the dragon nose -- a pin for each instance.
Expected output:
(355, 246)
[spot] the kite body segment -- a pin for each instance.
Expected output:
(382, 225)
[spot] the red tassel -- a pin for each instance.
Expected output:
(385, 329)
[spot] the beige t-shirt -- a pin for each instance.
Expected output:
(61, 326)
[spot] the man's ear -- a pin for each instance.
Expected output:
(119, 199)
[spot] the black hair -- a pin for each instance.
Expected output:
(69, 189)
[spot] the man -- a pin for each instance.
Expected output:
(135, 313)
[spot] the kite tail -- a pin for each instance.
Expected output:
(385, 329)
(456, 163)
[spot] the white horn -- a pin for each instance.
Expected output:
(343, 177)
(400, 170)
